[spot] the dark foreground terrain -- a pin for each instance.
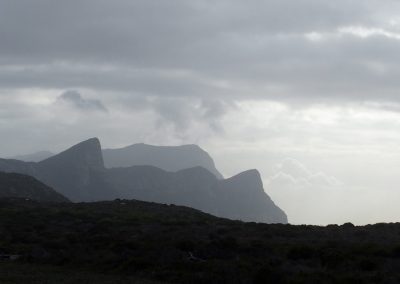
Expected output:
(138, 242)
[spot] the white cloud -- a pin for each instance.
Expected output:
(366, 32)
(291, 172)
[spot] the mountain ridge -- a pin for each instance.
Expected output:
(79, 174)
(169, 158)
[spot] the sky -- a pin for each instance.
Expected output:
(306, 91)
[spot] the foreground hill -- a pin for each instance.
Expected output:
(22, 186)
(168, 158)
(79, 174)
(128, 240)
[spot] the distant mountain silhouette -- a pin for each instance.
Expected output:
(35, 157)
(22, 186)
(79, 174)
(169, 158)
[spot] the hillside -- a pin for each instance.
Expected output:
(172, 244)
(22, 186)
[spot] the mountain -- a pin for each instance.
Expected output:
(79, 174)
(22, 186)
(35, 157)
(169, 158)
(241, 197)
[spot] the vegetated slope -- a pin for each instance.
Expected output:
(168, 158)
(175, 244)
(79, 174)
(22, 186)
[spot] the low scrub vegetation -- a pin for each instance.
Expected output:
(138, 242)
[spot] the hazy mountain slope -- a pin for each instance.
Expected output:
(34, 157)
(169, 158)
(79, 174)
(148, 183)
(23, 186)
(15, 166)
(241, 197)
(244, 198)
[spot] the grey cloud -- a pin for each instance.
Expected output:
(75, 99)
(184, 114)
(186, 49)
(139, 30)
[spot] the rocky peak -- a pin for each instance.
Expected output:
(247, 181)
(87, 153)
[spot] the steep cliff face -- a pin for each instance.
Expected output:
(169, 158)
(22, 186)
(244, 198)
(85, 155)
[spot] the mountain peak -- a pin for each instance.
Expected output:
(87, 152)
(249, 180)
(249, 174)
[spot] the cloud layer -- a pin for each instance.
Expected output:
(232, 50)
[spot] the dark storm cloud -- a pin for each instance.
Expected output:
(75, 99)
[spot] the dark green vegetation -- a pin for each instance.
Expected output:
(126, 240)
(23, 186)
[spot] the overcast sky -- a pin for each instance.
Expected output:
(306, 91)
